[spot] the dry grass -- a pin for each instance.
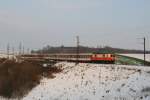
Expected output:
(17, 79)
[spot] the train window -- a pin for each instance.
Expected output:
(82, 56)
(87, 56)
(106, 55)
(103, 55)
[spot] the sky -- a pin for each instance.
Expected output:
(37, 23)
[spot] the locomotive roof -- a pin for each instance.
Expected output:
(104, 52)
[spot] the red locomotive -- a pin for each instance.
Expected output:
(103, 58)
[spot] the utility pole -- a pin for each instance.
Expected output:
(77, 51)
(23, 50)
(20, 48)
(8, 48)
(13, 51)
(144, 50)
(28, 51)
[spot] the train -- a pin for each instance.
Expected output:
(81, 57)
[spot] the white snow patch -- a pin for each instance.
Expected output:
(94, 82)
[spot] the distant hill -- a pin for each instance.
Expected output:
(83, 49)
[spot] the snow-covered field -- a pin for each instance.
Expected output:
(95, 82)
(139, 56)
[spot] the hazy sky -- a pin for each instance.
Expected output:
(36, 23)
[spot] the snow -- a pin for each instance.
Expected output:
(139, 56)
(3, 55)
(11, 56)
(94, 82)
